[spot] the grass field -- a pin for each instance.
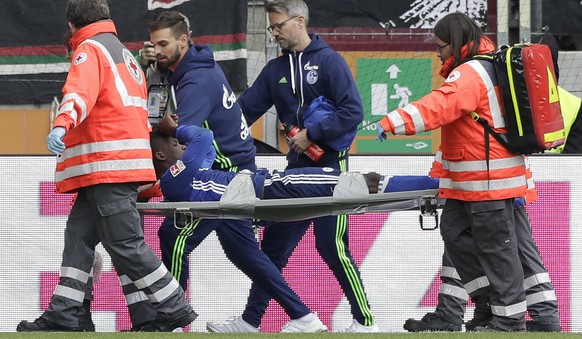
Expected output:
(441, 335)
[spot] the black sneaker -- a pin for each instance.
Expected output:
(85, 320)
(143, 327)
(493, 328)
(534, 326)
(42, 325)
(479, 319)
(430, 322)
(168, 323)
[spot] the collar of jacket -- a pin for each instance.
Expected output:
(103, 26)
(485, 46)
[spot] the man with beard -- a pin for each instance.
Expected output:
(204, 98)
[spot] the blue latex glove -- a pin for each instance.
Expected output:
(381, 136)
(209, 158)
(519, 202)
(54, 141)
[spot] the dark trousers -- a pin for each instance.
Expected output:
(481, 240)
(331, 241)
(542, 305)
(240, 246)
(107, 213)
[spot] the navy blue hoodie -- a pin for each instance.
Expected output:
(204, 98)
(292, 81)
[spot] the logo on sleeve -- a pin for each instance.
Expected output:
(228, 99)
(177, 168)
(132, 66)
(453, 76)
(80, 58)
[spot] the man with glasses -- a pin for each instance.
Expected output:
(307, 69)
(276, 28)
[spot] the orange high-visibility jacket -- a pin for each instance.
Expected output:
(531, 195)
(104, 112)
(466, 174)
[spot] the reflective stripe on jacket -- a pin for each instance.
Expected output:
(104, 112)
(531, 194)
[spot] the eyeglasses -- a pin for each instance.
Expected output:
(440, 47)
(277, 27)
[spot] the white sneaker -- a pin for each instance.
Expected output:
(307, 324)
(356, 327)
(236, 325)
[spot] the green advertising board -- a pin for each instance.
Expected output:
(386, 84)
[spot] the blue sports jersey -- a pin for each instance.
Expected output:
(187, 181)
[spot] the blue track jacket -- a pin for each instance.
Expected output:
(204, 98)
(292, 81)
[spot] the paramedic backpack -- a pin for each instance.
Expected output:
(529, 91)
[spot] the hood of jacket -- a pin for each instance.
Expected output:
(198, 56)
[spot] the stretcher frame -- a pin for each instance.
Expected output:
(350, 196)
(293, 209)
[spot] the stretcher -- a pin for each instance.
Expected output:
(350, 196)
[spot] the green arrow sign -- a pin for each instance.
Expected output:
(386, 84)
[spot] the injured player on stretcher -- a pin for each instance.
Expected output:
(183, 157)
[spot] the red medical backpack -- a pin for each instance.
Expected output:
(529, 91)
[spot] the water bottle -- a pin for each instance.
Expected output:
(313, 152)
